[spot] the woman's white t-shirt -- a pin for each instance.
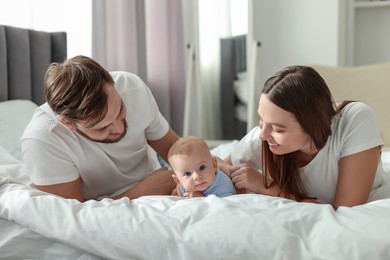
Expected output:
(54, 154)
(354, 130)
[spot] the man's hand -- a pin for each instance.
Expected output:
(176, 191)
(159, 182)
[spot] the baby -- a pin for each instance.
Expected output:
(196, 170)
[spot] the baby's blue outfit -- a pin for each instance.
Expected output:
(221, 187)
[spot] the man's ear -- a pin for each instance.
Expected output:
(175, 179)
(67, 123)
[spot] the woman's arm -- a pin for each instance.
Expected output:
(247, 178)
(356, 176)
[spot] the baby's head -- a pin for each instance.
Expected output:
(192, 163)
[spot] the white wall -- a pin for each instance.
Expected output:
(371, 35)
(296, 32)
(290, 32)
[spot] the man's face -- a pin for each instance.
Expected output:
(113, 127)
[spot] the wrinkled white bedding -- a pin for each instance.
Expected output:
(161, 227)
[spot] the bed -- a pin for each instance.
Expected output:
(37, 225)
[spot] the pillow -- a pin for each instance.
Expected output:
(14, 117)
(223, 149)
(241, 87)
(369, 84)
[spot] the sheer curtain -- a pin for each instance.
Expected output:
(145, 38)
(118, 33)
(216, 19)
(148, 38)
(165, 58)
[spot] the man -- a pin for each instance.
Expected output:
(93, 136)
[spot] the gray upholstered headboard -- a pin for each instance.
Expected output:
(24, 57)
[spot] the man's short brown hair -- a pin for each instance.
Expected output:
(75, 89)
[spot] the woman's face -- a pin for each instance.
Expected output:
(281, 129)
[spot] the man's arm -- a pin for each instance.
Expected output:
(69, 190)
(44, 158)
(162, 145)
(160, 182)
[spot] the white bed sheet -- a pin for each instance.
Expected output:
(246, 226)
(18, 242)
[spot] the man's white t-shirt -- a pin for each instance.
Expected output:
(53, 154)
(354, 130)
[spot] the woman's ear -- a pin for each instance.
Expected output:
(67, 123)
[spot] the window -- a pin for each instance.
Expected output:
(72, 16)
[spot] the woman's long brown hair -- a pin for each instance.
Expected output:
(301, 91)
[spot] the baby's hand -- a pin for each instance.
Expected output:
(193, 194)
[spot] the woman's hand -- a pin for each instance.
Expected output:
(224, 166)
(245, 177)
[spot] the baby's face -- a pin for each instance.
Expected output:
(195, 172)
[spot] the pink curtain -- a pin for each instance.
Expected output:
(144, 38)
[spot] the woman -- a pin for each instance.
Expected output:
(306, 147)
